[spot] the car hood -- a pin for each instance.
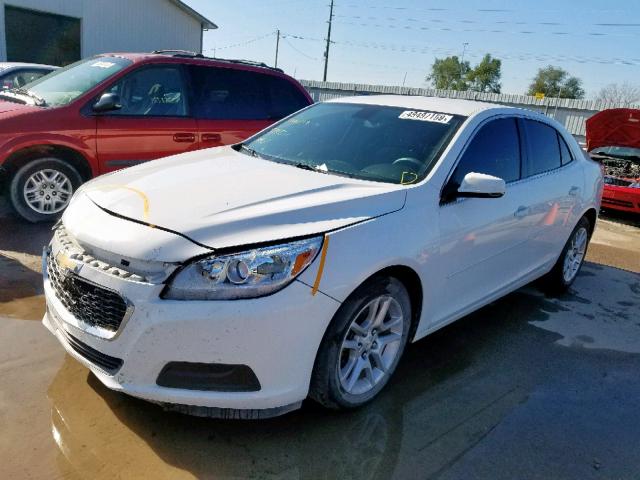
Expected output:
(8, 106)
(221, 198)
(617, 127)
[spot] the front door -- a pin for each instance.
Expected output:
(484, 240)
(153, 121)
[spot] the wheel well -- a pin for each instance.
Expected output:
(411, 281)
(591, 215)
(18, 159)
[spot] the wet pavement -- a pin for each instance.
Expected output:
(527, 387)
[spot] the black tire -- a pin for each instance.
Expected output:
(21, 177)
(326, 387)
(555, 283)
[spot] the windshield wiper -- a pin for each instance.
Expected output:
(249, 151)
(38, 100)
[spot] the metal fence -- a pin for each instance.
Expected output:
(572, 113)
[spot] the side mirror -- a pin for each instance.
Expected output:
(480, 185)
(107, 103)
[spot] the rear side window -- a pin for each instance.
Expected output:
(495, 150)
(285, 98)
(565, 153)
(543, 148)
(227, 94)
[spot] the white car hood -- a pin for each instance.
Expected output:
(222, 198)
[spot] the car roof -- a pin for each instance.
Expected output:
(435, 104)
(8, 65)
(180, 56)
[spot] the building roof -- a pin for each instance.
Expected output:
(435, 104)
(206, 23)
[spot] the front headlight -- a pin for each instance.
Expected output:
(249, 274)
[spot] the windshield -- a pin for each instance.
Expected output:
(370, 142)
(61, 87)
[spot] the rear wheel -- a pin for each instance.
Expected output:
(41, 190)
(363, 345)
(566, 269)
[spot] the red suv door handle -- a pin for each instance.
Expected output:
(211, 137)
(184, 137)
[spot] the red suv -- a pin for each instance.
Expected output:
(116, 110)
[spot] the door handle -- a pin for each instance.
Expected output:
(522, 212)
(573, 191)
(211, 137)
(184, 137)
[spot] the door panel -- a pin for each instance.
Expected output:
(484, 241)
(484, 246)
(153, 121)
(232, 104)
(214, 133)
(556, 185)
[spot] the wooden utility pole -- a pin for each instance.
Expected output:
(277, 45)
(326, 52)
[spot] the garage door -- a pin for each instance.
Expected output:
(41, 37)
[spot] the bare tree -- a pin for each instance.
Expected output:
(625, 94)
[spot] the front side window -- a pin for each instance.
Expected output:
(372, 142)
(63, 86)
(156, 91)
(543, 148)
(494, 150)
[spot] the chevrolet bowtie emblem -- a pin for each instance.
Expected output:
(66, 264)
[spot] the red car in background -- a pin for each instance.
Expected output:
(613, 139)
(121, 109)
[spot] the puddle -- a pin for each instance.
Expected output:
(600, 309)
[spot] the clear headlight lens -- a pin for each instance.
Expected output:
(248, 274)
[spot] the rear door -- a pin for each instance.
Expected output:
(154, 120)
(232, 104)
(484, 240)
(556, 186)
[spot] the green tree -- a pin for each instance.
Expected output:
(485, 77)
(449, 74)
(556, 82)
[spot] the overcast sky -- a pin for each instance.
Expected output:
(379, 42)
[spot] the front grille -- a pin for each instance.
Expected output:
(87, 302)
(107, 363)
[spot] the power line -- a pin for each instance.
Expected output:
(285, 38)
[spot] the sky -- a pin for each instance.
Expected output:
(395, 42)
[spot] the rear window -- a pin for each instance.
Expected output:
(229, 94)
(565, 153)
(543, 148)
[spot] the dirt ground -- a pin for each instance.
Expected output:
(527, 387)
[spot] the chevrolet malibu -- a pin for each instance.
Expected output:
(238, 281)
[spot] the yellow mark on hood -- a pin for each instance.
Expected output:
(140, 193)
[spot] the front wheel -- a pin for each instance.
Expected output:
(42, 189)
(566, 269)
(363, 344)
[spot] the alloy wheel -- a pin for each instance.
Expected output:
(575, 254)
(371, 345)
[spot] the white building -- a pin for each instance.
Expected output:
(59, 32)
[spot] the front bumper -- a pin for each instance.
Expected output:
(276, 336)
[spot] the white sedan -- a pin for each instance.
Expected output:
(238, 281)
